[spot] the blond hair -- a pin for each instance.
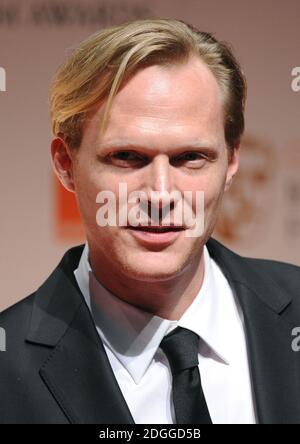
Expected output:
(96, 69)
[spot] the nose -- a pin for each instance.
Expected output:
(159, 182)
(160, 179)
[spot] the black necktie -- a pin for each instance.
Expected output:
(181, 349)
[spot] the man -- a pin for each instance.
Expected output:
(156, 106)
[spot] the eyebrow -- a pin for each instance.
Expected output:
(127, 144)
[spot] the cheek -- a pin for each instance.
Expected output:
(213, 189)
(211, 185)
(90, 179)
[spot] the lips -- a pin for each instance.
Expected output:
(156, 237)
(157, 229)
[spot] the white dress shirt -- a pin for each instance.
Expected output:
(131, 338)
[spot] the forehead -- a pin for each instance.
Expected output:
(164, 101)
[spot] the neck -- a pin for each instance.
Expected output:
(167, 299)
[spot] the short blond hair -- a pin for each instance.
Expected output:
(95, 70)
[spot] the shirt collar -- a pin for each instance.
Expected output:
(134, 335)
(208, 313)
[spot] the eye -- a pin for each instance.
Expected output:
(191, 159)
(126, 158)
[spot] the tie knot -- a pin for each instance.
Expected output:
(181, 349)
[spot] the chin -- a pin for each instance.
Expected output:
(153, 267)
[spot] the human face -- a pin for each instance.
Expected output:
(165, 133)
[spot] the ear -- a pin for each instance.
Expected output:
(233, 164)
(62, 162)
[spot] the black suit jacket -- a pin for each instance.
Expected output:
(55, 369)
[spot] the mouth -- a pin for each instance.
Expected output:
(155, 235)
(156, 229)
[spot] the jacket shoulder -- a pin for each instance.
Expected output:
(283, 273)
(278, 268)
(262, 275)
(271, 264)
(20, 310)
(15, 322)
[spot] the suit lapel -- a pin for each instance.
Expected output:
(273, 364)
(77, 372)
